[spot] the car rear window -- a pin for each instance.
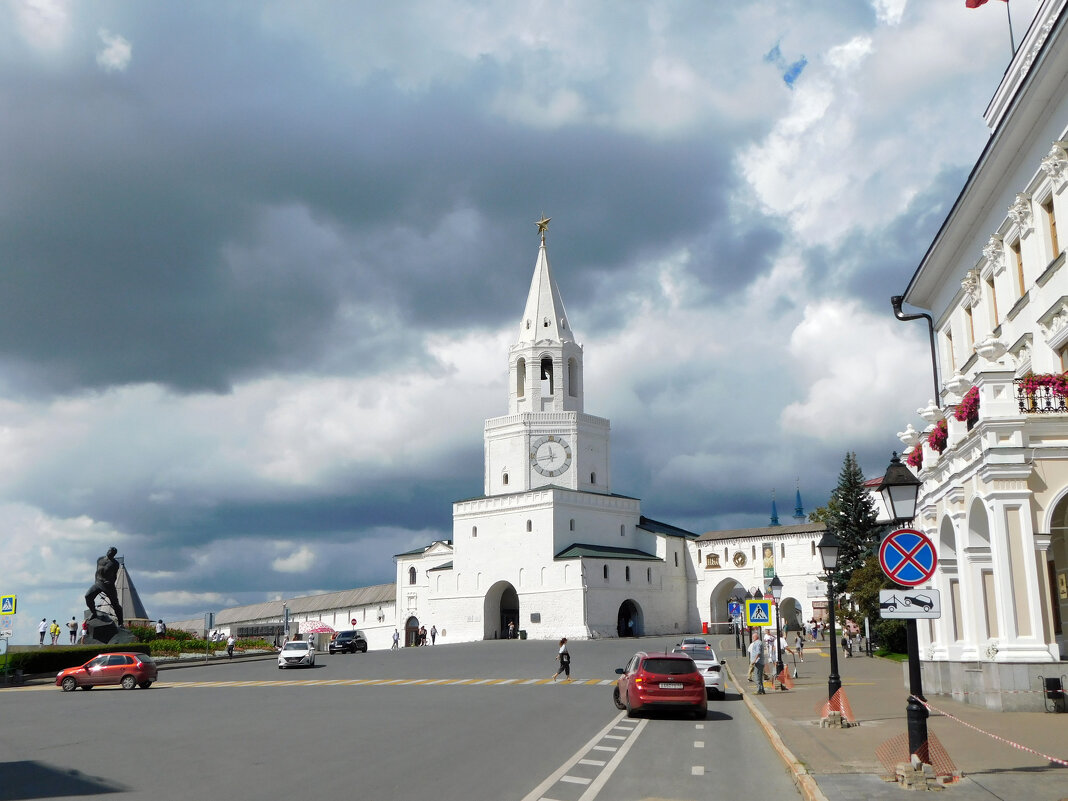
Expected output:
(666, 666)
(146, 659)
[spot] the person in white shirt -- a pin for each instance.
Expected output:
(757, 654)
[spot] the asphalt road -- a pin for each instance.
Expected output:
(244, 729)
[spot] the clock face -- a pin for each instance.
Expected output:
(550, 455)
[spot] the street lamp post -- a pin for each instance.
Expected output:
(828, 548)
(899, 490)
(776, 593)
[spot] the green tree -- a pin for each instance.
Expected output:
(852, 519)
(863, 587)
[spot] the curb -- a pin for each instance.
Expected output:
(803, 780)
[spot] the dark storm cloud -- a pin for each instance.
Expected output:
(152, 233)
(874, 264)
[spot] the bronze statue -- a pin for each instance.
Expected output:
(107, 570)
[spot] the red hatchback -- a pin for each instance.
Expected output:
(659, 680)
(128, 669)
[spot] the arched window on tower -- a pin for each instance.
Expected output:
(572, 378)
(411, 575)
(546, 376)
(520, 377)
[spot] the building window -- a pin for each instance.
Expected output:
(520, 377)
(530, 525)
(572, 524)
(1063, 353)
(593, 478)
(626, 572)
(411, 575)
(754, 552)
(1051, 227)
(676, 558)
(782, 550)
(649, 575)
(505, 479)
(813, 544)
(969, 327)
(698, 556)
(604, 571)
(1017, 260)
(622, 530)
(951, 354)
(572, 378)
(474, 531)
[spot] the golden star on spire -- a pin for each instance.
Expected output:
(543, 225)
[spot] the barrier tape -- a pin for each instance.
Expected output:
(930, 708)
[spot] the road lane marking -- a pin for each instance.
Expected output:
(575, 780)
(597, 763)
(605, 748)
(697, 770)
(698, 743)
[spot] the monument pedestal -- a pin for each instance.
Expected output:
(103, 630)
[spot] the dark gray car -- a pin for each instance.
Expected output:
(348, 642)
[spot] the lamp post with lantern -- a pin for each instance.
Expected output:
(828, 547)
(776, 594)
(900, 490)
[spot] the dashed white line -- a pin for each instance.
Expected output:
(697, 770)
(597, 763)
(698, 743)
(575, 779)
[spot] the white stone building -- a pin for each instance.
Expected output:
(995, 499)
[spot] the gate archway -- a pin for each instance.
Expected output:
(500, 608)
(411, 632)
(630, 621)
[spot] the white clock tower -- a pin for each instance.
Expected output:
(546, 438)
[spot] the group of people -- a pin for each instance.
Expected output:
(55, 631)
(420, 637)
(764, 651)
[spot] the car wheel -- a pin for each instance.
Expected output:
(145, 685)
(128, 682)
(631, 711)
(69, 684)
(363, 648)
(926, 607)
(615, 699)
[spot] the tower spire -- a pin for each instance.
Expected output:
(774, 511)
(544, 317)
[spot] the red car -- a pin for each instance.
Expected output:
(660, 680)
(128, 669)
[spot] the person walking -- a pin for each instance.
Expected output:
(396, 640)
(85, 631)
(55, 631)
(230, 643)
(565, 661)
(756, 660)
(433, 634)
(800, 646)
(161, 628)
(42, 630)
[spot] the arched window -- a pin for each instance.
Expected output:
(698, 556)
(626, 572)
(504, 478)
(474, 531)
(572, 524)
(622, 530)
(604, 570)
(572, 378)
(593, 478)
(546, 376)
(676, 558)
(411, 575)
(649, 575)
(520, 377)
(530, 526)
(782, 550)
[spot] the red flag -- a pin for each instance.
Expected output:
(976, 3)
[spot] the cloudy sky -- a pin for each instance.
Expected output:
(260, 264)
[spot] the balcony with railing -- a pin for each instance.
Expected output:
(1049, 396)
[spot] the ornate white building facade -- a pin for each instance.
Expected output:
(994, 496)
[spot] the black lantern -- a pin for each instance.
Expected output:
(828, 547)
(899, 490)
(776, 593)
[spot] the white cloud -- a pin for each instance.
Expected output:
(299, 561)
(44, 24)
(115, 56)
(889, 12)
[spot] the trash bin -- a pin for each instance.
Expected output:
(704, 628)
(522, 634)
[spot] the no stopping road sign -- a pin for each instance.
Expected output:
(908, 557)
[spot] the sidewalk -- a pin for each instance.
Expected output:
(841, 764)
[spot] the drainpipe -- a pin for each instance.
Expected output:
(896, 302)
(585, 589)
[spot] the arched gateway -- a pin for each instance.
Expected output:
(629, 621)
(501, 608)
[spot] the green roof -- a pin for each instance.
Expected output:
(579, 549)
(656, 527)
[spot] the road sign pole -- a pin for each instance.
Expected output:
(916, 713)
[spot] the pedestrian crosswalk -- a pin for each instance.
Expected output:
(295, 682)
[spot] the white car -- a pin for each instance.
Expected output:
(296, 653)
(711, 669)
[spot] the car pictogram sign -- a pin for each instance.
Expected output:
(758, 613)
(908, 557)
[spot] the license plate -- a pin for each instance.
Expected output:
(670, 685)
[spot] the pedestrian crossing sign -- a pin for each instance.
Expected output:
(758, 613)
(7, 604)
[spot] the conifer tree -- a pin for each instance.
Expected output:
(852, 519)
